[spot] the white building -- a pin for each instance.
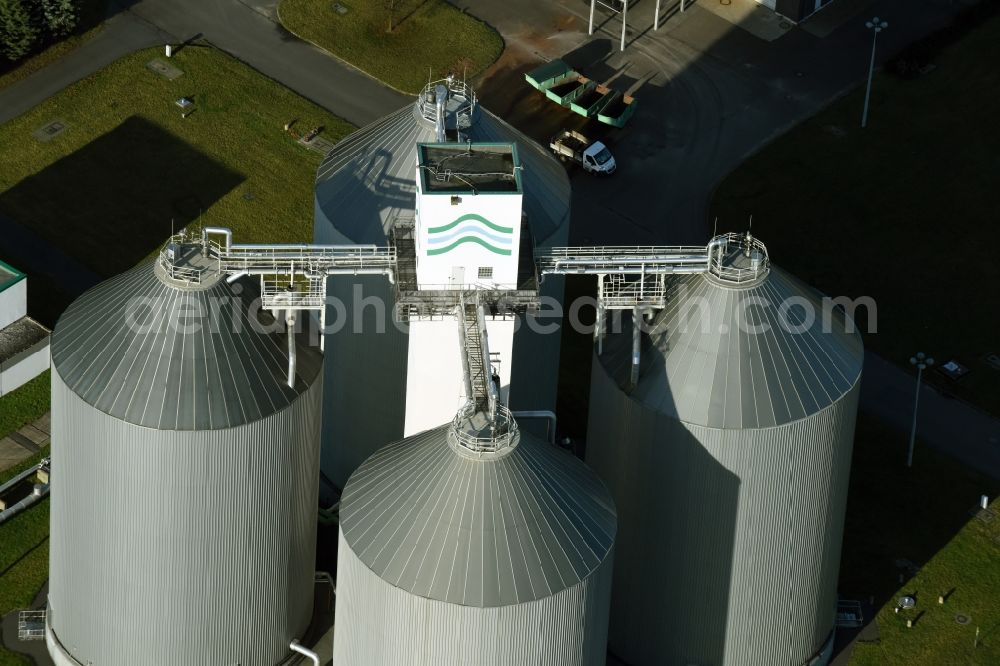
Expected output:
(24, 343)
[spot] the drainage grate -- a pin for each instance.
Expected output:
(962, 618)
(31, 625)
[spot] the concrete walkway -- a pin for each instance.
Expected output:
(24, 443)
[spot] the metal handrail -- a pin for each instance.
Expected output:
(470, 288)
(504, 429)
(747, 244)
(188, 274)
(427, 101)
(651, 251)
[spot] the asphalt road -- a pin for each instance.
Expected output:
(122, 34)
(710, 94)
(248, 31)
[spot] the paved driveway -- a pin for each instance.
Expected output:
(710, 94)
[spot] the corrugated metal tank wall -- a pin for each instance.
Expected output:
(181, 547)
(365, 376)
(389, 626)
(489, 559)
(730, 540)
(184, 484)
(729, 462)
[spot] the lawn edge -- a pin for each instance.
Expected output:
(281, 22)
(336, 57)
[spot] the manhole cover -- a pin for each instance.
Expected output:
(50, 131)
(164, 69)
(961, 618)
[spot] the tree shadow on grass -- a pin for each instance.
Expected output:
(102, 209)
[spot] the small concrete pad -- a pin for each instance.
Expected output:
(25, 443)
(11, 453)
(44, 423)
(50, 131)
(164, 69)
(33, 434)
(318, 144)
(756, 19)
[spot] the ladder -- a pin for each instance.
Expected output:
(478, 366)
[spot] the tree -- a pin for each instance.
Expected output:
(60, 16)
(17, 34)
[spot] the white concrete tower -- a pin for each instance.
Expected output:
(467, 239)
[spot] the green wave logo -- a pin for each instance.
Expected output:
(470, 228)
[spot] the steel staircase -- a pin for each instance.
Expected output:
(479, 371)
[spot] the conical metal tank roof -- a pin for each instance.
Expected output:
(482, 530)
(161, 353)
(366, 182)
(736, 355)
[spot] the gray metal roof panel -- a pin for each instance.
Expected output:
(368, 179)
(131, 359)
(704, 364)
(474, 532)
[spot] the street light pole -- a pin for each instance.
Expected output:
(624, 22)
(876, 25)
(922, 361)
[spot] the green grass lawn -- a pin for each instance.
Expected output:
(24, 540)
(428, 36)
(128, 169)
(24, 555)
(24, 404)
(91, 21)
(902, 211)
(922, 515)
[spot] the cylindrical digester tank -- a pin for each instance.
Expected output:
(365, 186)
(184, 476)
(453, 558)
(729, 462)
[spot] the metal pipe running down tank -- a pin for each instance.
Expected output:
(441, 97)
(290, 329)
(540, 414)
(636, 341)
(309, 654)
(223, 231)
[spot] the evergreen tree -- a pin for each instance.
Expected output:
(17, 34)
(60, 16)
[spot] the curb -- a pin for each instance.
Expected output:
(281, 22)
